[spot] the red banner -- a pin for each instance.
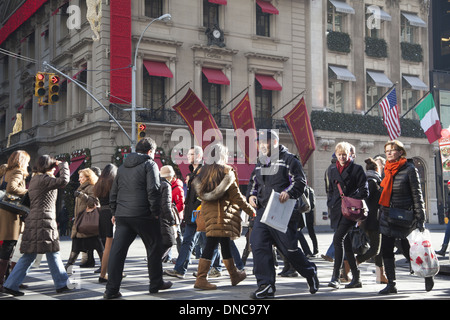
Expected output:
(199, 119)
(242, 118)
(120, 33)
(300, 127)
(22, 14)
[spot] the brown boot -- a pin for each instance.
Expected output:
(201, 282)
(236, 276)
(3, 268)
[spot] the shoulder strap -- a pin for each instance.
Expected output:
(340, 189)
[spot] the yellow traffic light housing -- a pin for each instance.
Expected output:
(141, 127)
(39, 85)
(53, 88)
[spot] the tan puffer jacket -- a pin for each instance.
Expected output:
(221, 207)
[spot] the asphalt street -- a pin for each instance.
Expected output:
(135, 284)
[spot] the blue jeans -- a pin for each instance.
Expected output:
(24, 264)
(447, 234)
(190, 237)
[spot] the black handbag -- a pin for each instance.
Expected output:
(360, 241)
(400, 217)
(16, 205)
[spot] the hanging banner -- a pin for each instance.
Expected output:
(199, 120)
(245, 129)
(444, 147)
(300, 126)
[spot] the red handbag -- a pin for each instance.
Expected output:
(353, 209)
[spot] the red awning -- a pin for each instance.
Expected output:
(158, 69)
(224, 2)
(216, 76)
(75, 163)
(267, 7)
(268, 82)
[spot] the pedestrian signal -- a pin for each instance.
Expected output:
(53, 88)
(141, 131)
(39, 84)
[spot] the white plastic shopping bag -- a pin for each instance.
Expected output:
(424, 261)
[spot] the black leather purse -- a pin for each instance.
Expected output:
(400, 217)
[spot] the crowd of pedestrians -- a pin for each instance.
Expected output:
(139, 199)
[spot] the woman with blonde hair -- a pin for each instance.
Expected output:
(10, 223)
(218, 188)
(84, 242)
(402, 191)
(352, 179)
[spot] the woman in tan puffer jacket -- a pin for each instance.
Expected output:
(217, 186)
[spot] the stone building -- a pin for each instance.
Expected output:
(345, 54)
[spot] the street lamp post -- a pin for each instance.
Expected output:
(164, 17)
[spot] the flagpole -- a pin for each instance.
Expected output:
(379, 100)
(233, 99)
(288, 103)
(420, 100)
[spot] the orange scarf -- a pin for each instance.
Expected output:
(390, 170)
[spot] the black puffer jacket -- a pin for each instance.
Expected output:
(406, 194)
(136, 189)
(167, 220)
(374, 180)
(284, 172)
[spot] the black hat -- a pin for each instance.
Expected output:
(266, 135)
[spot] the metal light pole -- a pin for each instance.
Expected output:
(164, 17)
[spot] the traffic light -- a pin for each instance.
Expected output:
(39, 84)
(141, 131)
(53, 88)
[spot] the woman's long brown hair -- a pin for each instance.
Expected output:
(210, 177)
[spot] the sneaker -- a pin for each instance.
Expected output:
(289, 274)
(265, 291)
(174, 273)
(214, 273)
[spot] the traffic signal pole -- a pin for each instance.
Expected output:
(47, 65)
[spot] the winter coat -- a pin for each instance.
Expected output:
(373, 180)
(167, 219)
(192, 201)
(135, 192)
(353, 182)
(10, 223)
(283, 172)
(178, 197)
(221, 206)
(41, 231)
(86, 190)
(406, 194)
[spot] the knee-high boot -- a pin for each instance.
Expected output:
(201, 282)
(236, 275)
(72, 258)
(389, 268)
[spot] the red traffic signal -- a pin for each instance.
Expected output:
(54, 79)
(142, 127)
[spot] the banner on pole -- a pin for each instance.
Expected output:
(198, 119)
(245, 129)
(300, 126)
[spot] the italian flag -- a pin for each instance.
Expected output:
(429, 119)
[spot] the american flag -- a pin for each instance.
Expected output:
(390, 115)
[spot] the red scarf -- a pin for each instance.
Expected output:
(341, 168)
(390, 170)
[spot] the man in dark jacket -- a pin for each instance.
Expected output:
(278, 170)
(135, 205)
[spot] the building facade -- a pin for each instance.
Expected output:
(344, 55)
